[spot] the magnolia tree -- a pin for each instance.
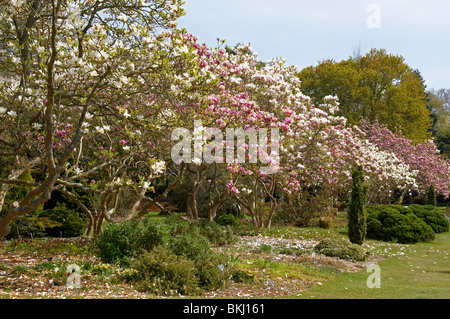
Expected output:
(423, 161)
(62, 62)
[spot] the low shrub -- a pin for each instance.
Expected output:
(227, 220)
(120, 242)
(432, 216)
(341, 248)
(217, 234)
(326, 222)
(209, 274)
(161, 272)
(191, 245)
(396, 223)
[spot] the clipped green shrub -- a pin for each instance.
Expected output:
(242, 276)
(432, 216)
(341, 248)
(396, 223)
(161, 272)
(326, 223)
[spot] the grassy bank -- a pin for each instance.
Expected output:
(412, 272)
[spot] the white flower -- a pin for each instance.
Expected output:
(159, 167)
(2, 110)
(37, 126)
(100, 129)
(123, 18)
(12, 113)
(124, 79)
(146, 185)
(126, 148)
(78, 171)
(184, 49)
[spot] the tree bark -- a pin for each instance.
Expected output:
(192, 199)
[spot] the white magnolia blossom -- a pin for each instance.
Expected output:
(12, 113)
(389, 168)
(159, 167)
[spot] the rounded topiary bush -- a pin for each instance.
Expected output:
(341, 248)
(431, 216)
(398, 224)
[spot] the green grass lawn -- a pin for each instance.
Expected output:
(419, 271)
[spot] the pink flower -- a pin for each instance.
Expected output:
(234, 190)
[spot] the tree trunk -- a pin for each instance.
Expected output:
(402, 196)
(212, 211)
(192, 201)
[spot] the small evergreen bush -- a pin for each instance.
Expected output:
(432, 216)
(191, 245)
(217, 234)
(341, 248)
(119, 242)
(396, 223)
(161, 272)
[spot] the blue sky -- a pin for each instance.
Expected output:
(307, 31)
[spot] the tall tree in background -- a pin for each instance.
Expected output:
(376, 86)
(438, 102)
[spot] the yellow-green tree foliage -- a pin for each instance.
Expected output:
(376, 86)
